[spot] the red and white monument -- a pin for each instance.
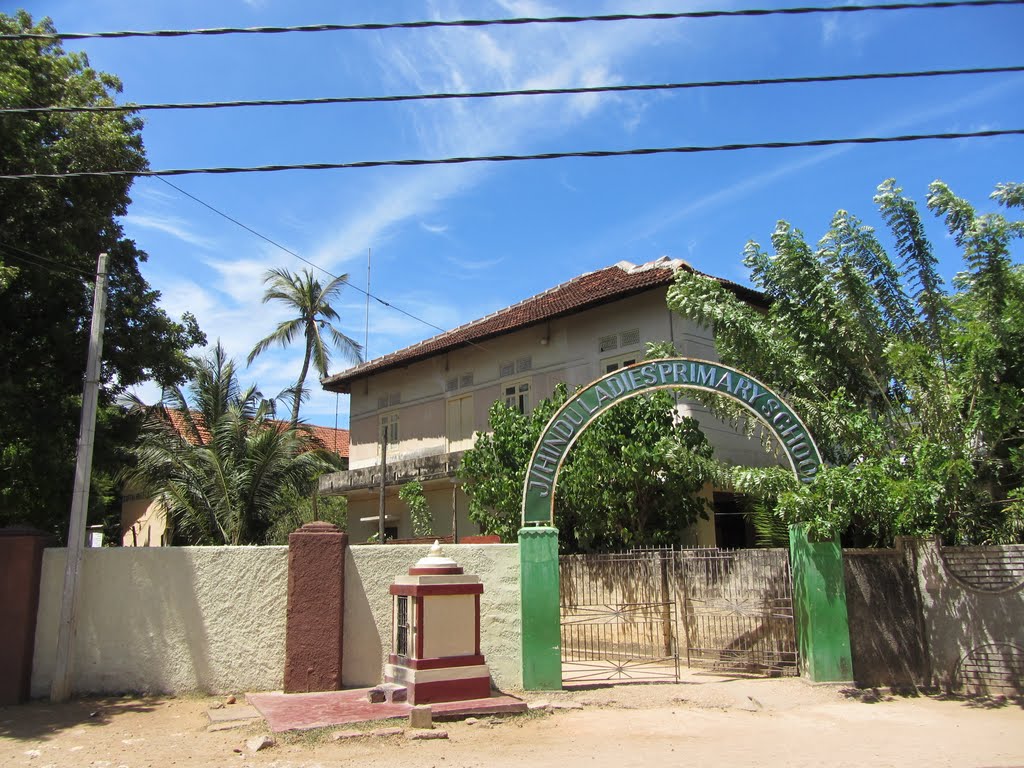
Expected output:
(436, 633)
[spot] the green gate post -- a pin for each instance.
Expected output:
(819, 601)
(542, 632)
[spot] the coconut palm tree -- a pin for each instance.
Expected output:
(314, 314)
(216, 459)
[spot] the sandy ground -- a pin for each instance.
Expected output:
(702, 721)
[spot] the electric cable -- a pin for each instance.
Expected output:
(327, 272)
(497, 94)
(42, 262)
(750, 12)
(516, 158)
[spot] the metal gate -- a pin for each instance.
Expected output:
(618, 617)
(738, 609)
(631, 616)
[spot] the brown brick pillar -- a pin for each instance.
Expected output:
(21, 561)
(316, 608)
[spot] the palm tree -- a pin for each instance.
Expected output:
(218, 461)
(314, 313)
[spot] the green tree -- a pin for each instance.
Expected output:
(915, 393)
(217, 460)
(616, 488)
(311, 302)
(419, 511)
(51, 233)
(297, 507)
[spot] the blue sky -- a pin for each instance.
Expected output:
(450, 244)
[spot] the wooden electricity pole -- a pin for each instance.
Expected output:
(60, 690)
(383, 482)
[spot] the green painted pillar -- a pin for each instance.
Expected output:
(542, 629)
(819, 603)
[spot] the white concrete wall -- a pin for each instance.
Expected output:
(169, 619)
(372, 569)
(177, 619)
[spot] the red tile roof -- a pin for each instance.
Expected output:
(583, 292)
(333, 440)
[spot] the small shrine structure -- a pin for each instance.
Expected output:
(436, 633)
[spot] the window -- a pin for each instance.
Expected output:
(402, 625)
(613, 364)
(389, 422)
(452, 384)
(389, 400)
(629, 338)
(506, 369)
(517, 396)
(524, 364)
(466, 380)
(619, 340)
(460, 423)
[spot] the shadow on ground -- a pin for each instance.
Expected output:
(40, 720)
(880, 695)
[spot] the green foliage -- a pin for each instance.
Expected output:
(314, 315)
(419, 512)
(45, 307)
(218, 461)
(295, 508)
(623, 484)
(914, 393)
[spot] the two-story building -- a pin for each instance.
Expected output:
(430, 399)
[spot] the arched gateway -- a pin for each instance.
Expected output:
(573, 418)
(819, 593)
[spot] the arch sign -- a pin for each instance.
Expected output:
(570, 421)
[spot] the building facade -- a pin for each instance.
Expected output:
(430, 399)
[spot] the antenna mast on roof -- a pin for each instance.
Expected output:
(366, 335)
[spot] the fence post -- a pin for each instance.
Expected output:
(21, 559)
(539, 590)
(314, 627)
(819, 602)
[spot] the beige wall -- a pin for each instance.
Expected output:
(372, 569)
(169, 619)
(438, 494)
(143, 521)
(569, 354)
(177, 619)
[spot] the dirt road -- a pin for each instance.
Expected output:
(703, 721)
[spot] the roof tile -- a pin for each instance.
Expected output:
(611, 283)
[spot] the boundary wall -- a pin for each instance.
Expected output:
(213, 619)
(932, 616)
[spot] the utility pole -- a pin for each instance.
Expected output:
(383, 477)
(60, 690)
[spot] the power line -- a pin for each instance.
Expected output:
(515, 158)
(42, 262)
(511, 22)
(327, 272)
(497, 94)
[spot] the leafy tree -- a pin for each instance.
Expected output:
(297, 507)
(311, 302)
(51, 233)
(615, 489)
(218, 461)
(914, 393)
(419, 511)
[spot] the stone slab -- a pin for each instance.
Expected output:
(303, 711)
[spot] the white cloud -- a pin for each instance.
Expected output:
(170, 225)
(434, 229)
(473, 265)
(541, 56)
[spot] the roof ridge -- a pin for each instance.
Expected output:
(485, 318)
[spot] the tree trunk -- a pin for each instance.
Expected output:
(302, 379)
